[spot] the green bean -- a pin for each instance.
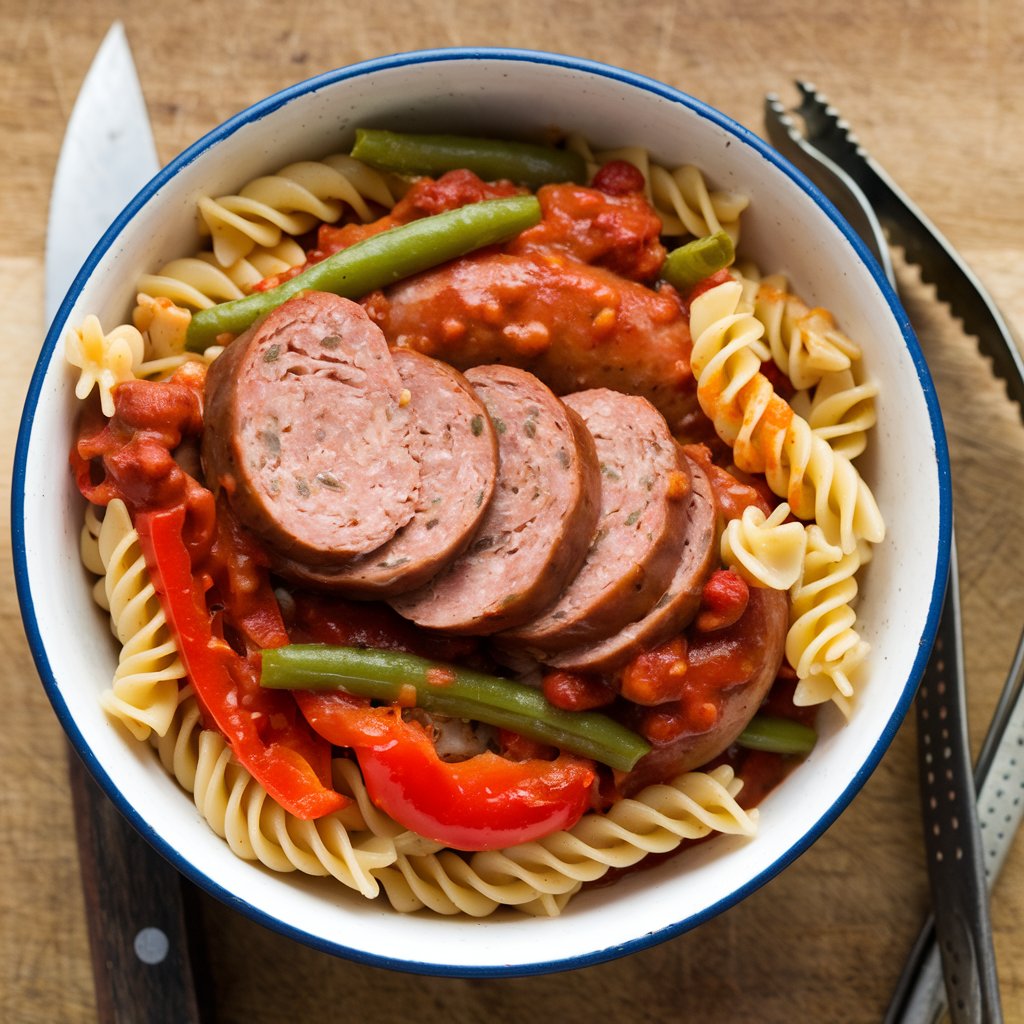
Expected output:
(491, 159)
(690, 263)
(778, 736)
(377, 261)
(453, 691)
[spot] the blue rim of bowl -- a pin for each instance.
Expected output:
(256, 113)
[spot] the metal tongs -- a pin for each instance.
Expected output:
(955, 945)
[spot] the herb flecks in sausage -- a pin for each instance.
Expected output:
(457, 472)
(326, 479)
(271, 439)
(538, 525)
(635, 548)
(289, 407)
(674, 608)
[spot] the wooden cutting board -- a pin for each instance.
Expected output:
(936, 91)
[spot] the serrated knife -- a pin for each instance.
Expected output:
(138, 907)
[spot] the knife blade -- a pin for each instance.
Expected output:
(106, 156)
(139, 910)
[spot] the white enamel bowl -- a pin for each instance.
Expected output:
(789, 226)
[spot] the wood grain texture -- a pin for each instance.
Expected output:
(935, 89)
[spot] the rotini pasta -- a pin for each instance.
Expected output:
(805, 343)
(807, 346)
(822, 645)
(103, 360)
(126, 353)
(765, 434)
(144, 691)
(162, 324)
(199, 282)
(820, 484)
(540, 875)
(238, 809)
(839, 411)
(291, 202)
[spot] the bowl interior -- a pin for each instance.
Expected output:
(786, 228)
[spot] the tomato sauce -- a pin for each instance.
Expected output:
(619, 232)
(132, 455)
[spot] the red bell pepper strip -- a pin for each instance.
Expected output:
(266, 733)
(483, 803)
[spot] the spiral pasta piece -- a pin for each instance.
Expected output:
(822, 645)
(806, 345)
(105, 360)
(679, 195)
(89, 552)
(839, 411)
(684, 193)
(163, 325)
(144, 691)
(765, 551)
(809, 348)
(291, 202)
(165, 299)
(764, 432)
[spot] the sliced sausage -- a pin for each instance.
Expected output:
(645, 487)
(575, 326)
(307, 434)
(458, 455)
(536, 532)
(676, 606)
(753, 648)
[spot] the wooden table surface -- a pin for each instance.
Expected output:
(936, 92)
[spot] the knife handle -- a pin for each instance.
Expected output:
(952, 835)
(138, 910)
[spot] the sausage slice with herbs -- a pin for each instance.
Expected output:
(645, 489)
(695, 558)
(309, 434)
(540, 522)
(458, 455)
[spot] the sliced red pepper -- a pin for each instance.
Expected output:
(483, 803)
(264, 729)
